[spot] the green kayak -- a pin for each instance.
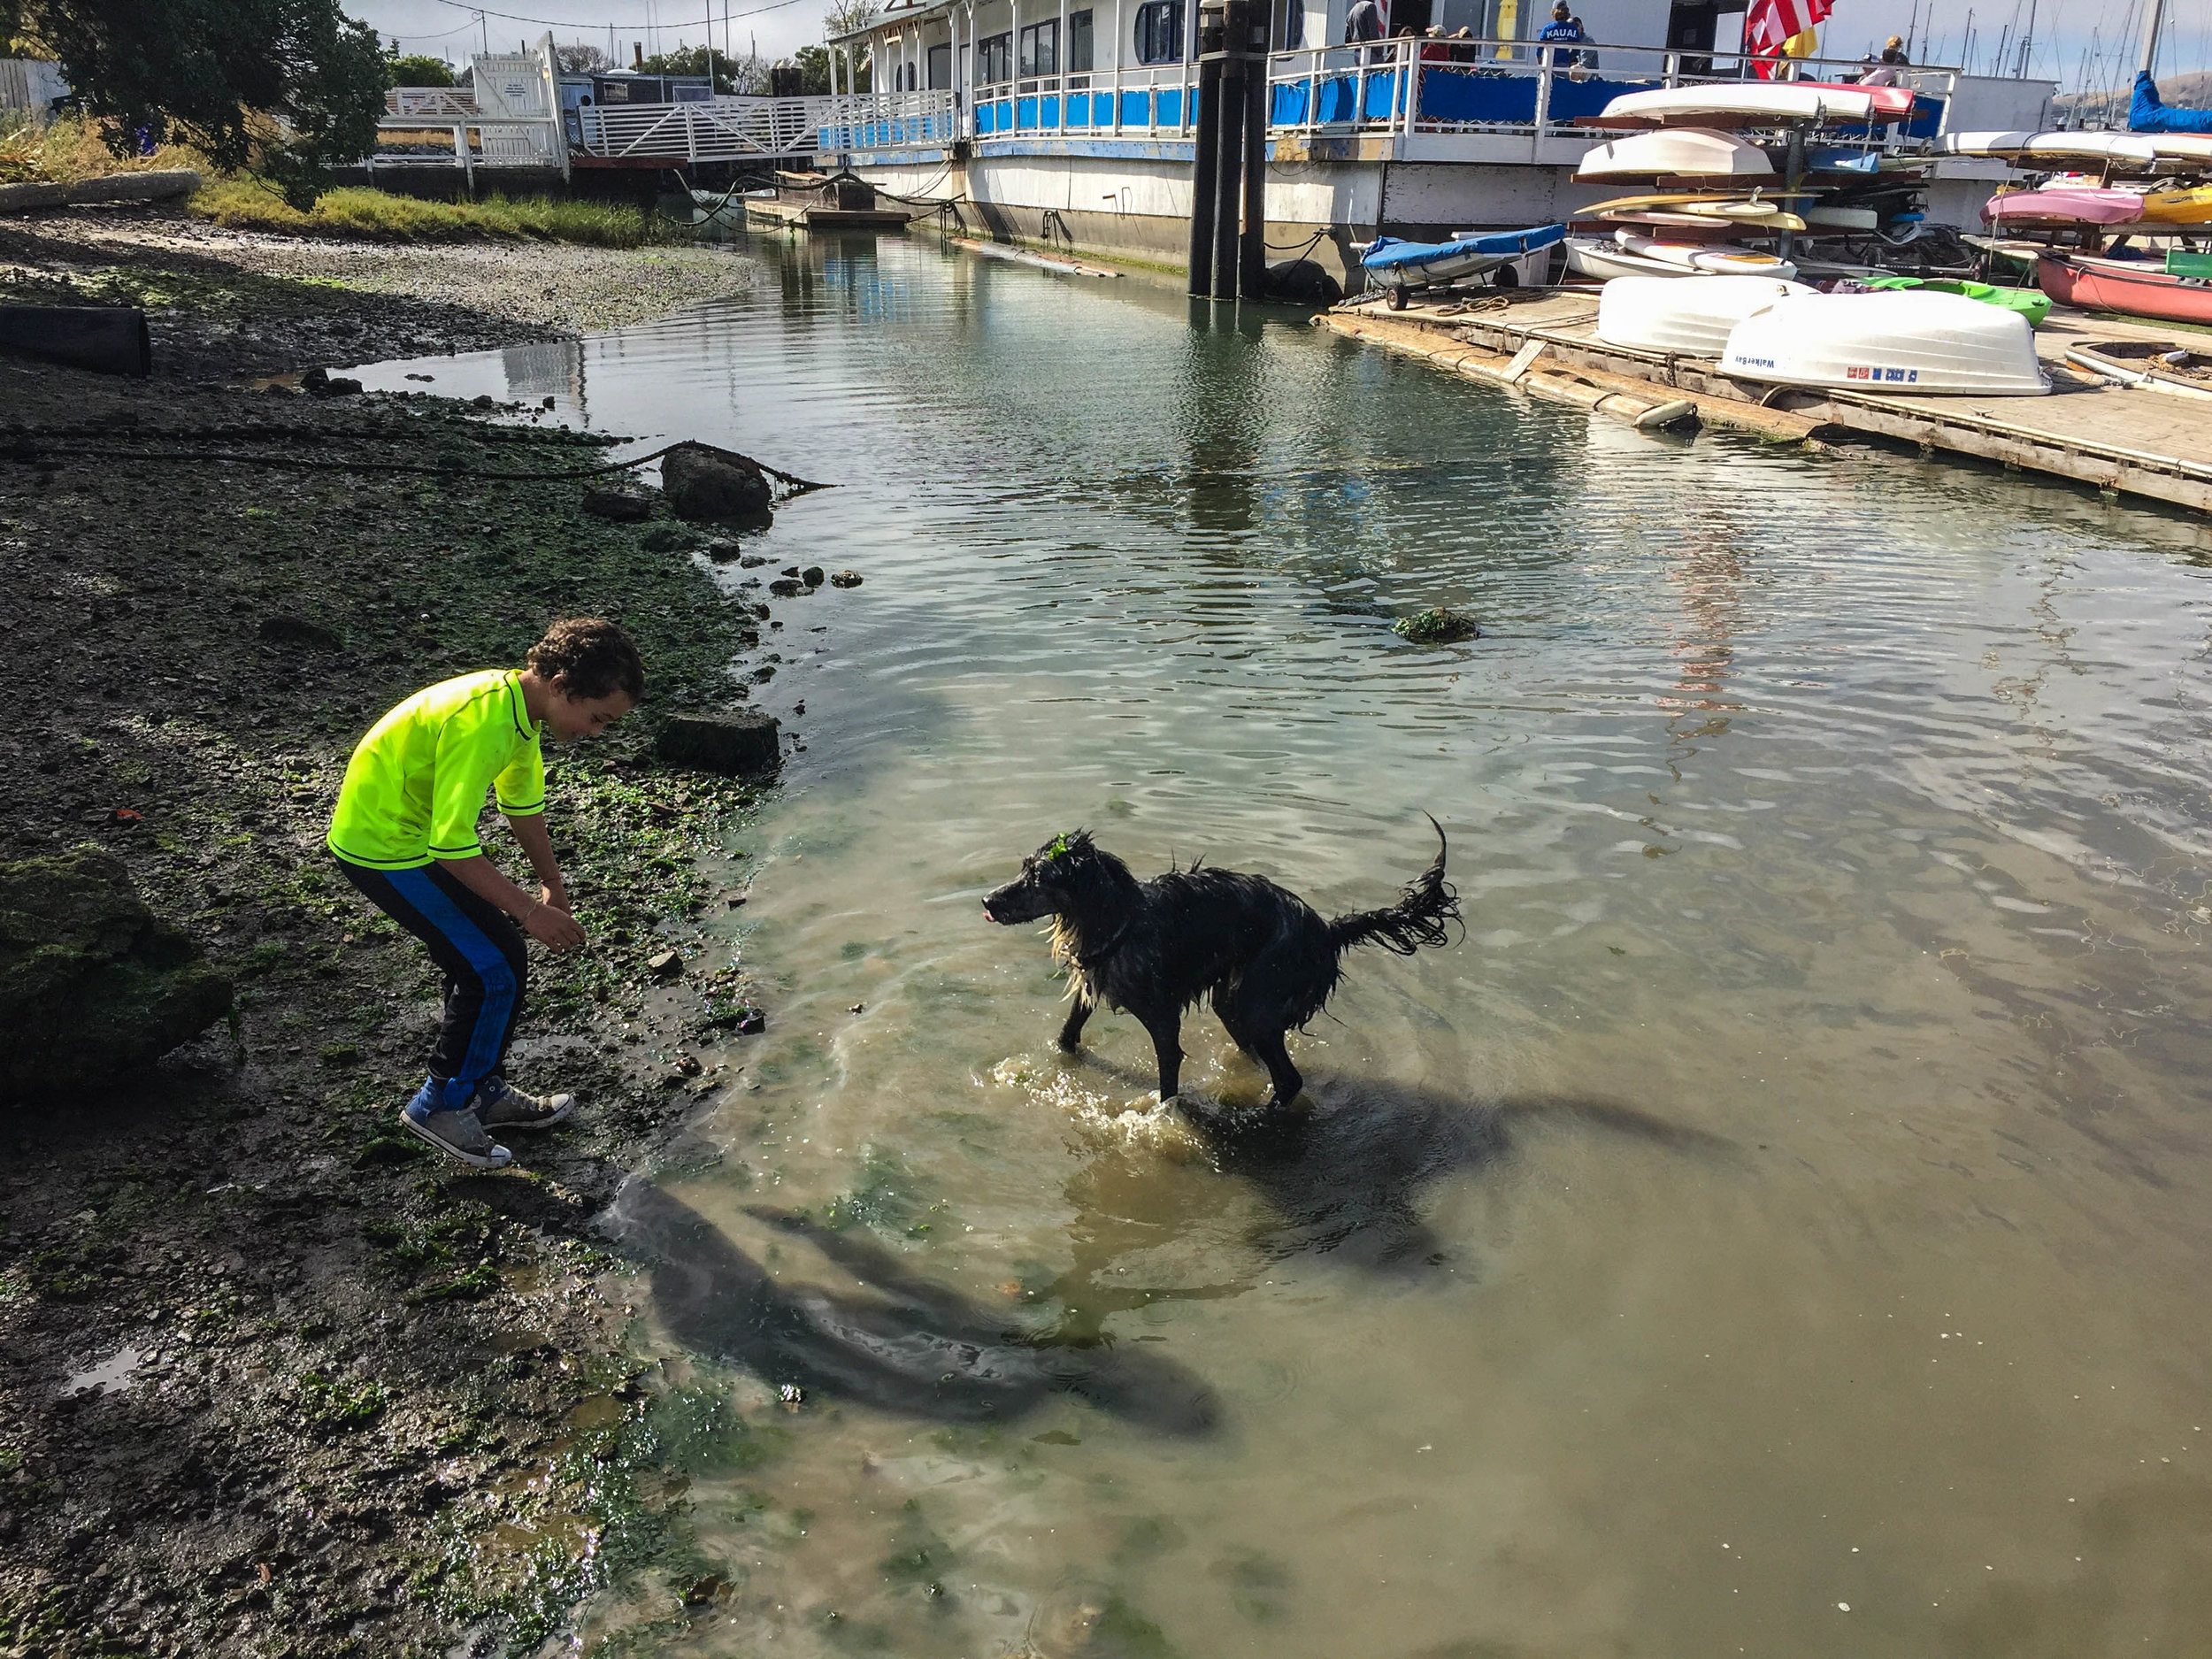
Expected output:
(2031, 303)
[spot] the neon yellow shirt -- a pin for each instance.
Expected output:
(415, 786)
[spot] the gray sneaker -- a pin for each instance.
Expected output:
(500, 1105)
(459, 1136)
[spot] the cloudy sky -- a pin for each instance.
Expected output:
(2068, 31)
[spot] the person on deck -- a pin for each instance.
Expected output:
(404, 833)
(1564, 29)
(1884, 73)
(1363, 23)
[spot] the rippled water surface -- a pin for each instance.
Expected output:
(1780, 1226)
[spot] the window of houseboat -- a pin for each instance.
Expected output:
(995, 60)
(1040, 48)
(1079, 42)
(1160, 32)
(939, 67)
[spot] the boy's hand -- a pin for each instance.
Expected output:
(556, 895)
(554, 928)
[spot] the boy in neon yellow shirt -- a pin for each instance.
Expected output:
(404, 833)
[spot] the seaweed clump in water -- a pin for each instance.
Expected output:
(1439, 626)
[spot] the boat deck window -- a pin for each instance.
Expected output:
(1040, 49)
(1079, 42)
(995, 59)
(1159, 38)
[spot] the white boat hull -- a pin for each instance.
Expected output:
(1681, 152)
(1692, 318)
(1909, 343)
(1591, 256)
(1778, 100)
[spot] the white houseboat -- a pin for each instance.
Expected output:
(1070, 122)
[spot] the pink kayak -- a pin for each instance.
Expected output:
(1891, 103)
(2063, 204)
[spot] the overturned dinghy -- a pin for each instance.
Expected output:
(1914, 343)
(1401, 268)
(1690, 318)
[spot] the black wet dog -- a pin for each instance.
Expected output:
(914, 1347)
(1155, 948)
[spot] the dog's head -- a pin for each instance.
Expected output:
(1052, 880)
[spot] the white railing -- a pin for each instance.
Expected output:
(888, 120)
(715, 129)
(1397, 87)
(430, 101)
(475, 143)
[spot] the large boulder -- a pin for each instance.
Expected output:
(741, 743)
(93, 984)
(705, 485)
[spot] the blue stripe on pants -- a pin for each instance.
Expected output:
(482, 956)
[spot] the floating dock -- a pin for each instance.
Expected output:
(2117, 419)
(816, 216)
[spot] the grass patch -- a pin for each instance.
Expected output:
(365, 215)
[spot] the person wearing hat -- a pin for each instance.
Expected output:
(1564, 29)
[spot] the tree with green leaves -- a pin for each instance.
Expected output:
(281, 88)
(418, 69)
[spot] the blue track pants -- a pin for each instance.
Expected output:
(481, 953)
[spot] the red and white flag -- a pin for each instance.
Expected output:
(1769, 22)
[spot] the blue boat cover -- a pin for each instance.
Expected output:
(2147, 112)
(1508, 241)
(1388, 253)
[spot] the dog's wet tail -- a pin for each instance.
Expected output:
(1423, 917)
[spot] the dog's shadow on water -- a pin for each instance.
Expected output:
(907, 1345)
(1342, 1172)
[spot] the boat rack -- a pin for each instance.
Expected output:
(2123, 437)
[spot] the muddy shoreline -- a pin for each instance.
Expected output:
(272, 1380)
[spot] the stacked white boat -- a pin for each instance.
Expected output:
(1784, 333)
(1680, 279)
(1712, 190)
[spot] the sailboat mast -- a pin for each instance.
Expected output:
(2150, 33)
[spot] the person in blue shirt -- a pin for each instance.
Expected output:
(1564, 29)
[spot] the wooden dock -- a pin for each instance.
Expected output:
(816, 216)
(2151, 443)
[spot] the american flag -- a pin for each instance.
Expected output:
(1770, 22)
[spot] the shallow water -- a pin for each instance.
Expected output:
(1780, 1226)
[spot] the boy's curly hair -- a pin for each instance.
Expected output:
(591, 657)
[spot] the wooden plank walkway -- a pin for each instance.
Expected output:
(2151, 444)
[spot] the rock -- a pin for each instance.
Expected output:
(666, 538)
(845, 578)
(322, 383)
(622, 506)
(812, 575)
(285, 629)
(483, 400)
(341, 386)
(92, 984)
(721, 550)
(751, 562)
(706, 485)
(730, 743)
(664, 964)
(786, 588)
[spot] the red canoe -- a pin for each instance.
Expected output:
(2121, 285)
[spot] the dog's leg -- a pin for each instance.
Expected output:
(1167, 1045)
(1071, 1032)
(1272, 1054)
